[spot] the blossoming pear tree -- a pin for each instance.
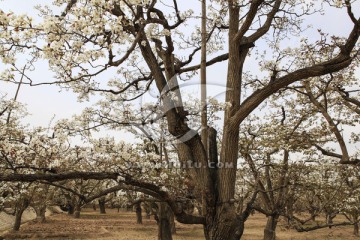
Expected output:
(149, 43)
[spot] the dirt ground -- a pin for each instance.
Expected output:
(122, 226)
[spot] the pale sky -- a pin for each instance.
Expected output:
(46, 101)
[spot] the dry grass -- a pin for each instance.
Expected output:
(254, 228)
(121, 226)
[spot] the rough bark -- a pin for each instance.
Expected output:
(225, 226)
(222, 222)
(164, 223)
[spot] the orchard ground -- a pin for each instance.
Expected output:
(121, 226)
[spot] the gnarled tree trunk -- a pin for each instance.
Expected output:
(225, 226)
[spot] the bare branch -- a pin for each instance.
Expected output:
(249, 19)
(333, 127)
(341, 61)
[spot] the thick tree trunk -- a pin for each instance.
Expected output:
(225, 226)
(269, 231)
(164, 224)
(40, 213)
(102, 202)
(138, 213)
(164, 229)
